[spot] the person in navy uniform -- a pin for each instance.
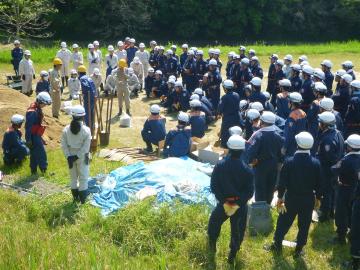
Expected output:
(352, 116)
(131, 50)
(200, 66)
(271, 87)
(43, 85)
(295, 80)
(327, 105)
(232, 183)
(341, 96)
(282, 99)
(214, 81)
(312, 114)
(179, 99)
(154, 128)
(326, 66)
(149, 82)
(279, 75)
(14, 149)
(197, 119)
(245, 77)
(256, 95)
(171, 64)
(348, 67)
(298, 192)
(229, 64)
(306, 90)
(255, 67)
(183, 57)
(16, 56)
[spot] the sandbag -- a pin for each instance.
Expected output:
(125, 120)
(66, 106)
(259, 221)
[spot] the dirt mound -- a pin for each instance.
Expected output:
(12, 101)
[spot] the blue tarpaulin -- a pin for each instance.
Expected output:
(168, 179)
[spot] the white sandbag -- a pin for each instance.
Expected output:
(66, 106)
(125, 120)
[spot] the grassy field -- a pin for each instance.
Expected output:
(51, 233)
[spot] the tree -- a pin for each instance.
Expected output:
(26, 18)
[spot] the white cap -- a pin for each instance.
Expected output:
(245, 61)
(75, 46)
(131, 71)
(195, 103)
(96, 43)
(279, 62)
(308, 69)
(194, 96)
(257, 106)
(295, 97)
(256, 81)
(110, 48)
(255, 58)
(212, 62)
(44, 73)
(136, 60)
(169, 52)
(198, 91)
(199, 52)
(16, 42)
(217, 51)
(78, 111)
(327, 104)
(347, 78)
(73, 71)
(91, 46)
(27, 52)
(288, 57)
(340, 72)
(63, 44)
(184, 117)
(303, 58)
(318, 73)
(132, 40)
(97, 71)
(178, 84)
(236, 142)
(120, 43)
(320, 87)
(253, 114)
(353, 141)
(327, 118)
(185, 46)
(242, 48)
(304, 140)
(150, 69)
(347, 64)
(17, 119)
(235, 130)
(44, 98)
(296, 67)
(141, 45)
(268, 117)
(285, 83)
(327, 63)
(155, 108)
(171, 80)
(355, 84)
(243, 103)
(252, 51)
(158, 72)
(228, 84)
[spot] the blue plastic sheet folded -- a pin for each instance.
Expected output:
(182, 179)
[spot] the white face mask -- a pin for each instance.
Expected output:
(46, 78)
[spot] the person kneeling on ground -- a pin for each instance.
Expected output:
(75, 143)
(43, 85)
(154, 129)
(197, 119)
(232, 183)
(14, 148)
(178, 142)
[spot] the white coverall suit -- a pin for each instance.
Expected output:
(77, 145)
(110, 84)
(77, 59)
(97, 81)
(74, 87)
(94, 61)
(65, 56)
(26, 68)
(139, 71)
(144, 59)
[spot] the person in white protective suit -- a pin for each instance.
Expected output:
(93, 59)
(110, 84)
(138, 68)
(27, 73)
(97, 49)
(75, 143)
(74, 85)
(144, 58)
(65, 55)
(111, 60)
(121, 52)
(97, 78)
(133, 82)
(76, 57)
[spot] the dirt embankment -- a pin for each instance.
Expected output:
(12, 102)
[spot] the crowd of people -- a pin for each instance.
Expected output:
(299, 121)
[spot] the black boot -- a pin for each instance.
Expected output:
(274, 247)
(212, 246)
(66, 80)
(299, 252)
(231, 256)
(82, 196)
(75, 194)
(120, 112)
(33, 171)
(63, 81)
(128, 112)
(43, 171)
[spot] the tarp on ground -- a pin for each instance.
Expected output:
(173, 178)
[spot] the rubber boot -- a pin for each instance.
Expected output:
(66, 80)
(274, 247)
(63, 81)
(120, 112)
(128, 112)
(43, 171)
(33, 171)
(75, 194)
(299, 252)
(82, 196)
(231, 257)
(212, 246)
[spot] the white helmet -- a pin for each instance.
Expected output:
(150, 69)
(257, 106)
(295, 97)
(17, 119)
(236, 142)
(353, 141)
(242, 48)
(320, 87)
(194, 97)
(178, 84)
(170, 52)
(347, 64)
(27, 52)
(347, 78)
(327, 104)
(245, 61)
(190, 52)
(327, 63)
(340, 72)
(96, 43)
(256, 81)
(171, 80)
(285, 83)
(308, 70)
(304, 63)
(252, 114)
(195, 103)
(274, 56)
(136, 60)
(327, 118)
(141, 45)
(243, 103)
(158, 72)
(304, 140)
(44, 73)
(288, 57)
(198, 91)
(211, 51)
(184, 117)
(63, 44)
(255, 58)
(268, 117)
(172, 77)
(155, 109)
(91, 46)
(228, 84)
(44, 98)
(78, 111)
(110, 48)
(120, 43)
(212, 62)
(235, 130)
(279, 62)
(132, 40)
(97, 71)
(131, 71)
(217, 51)
(231, 54)
(153, 42)
(75, 46)
(318, 73)
(200, 52)
(267, 95)
(173, 47)
(185, 46)
(355, 84)
(73, 72)
(303, 58)
(296, 67)
(252, 51)
(16, 42)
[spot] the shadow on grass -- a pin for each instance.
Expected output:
(62, 214)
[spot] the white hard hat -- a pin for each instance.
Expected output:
(44, 73)
(347, 78)
(327, 104)
(158, 72)
(304, 63)
(132, 40)
(96, 43)
(120, 43)
(190, 52)
(256, 81)
(173, 47)
(257, 106)
(355, 84)
(236, 142)
(161, 48)
(253, 114)
(155, 108)
(131, 70)
(97, 71)
(227, 84)
(327, 63)
(217, 51)
(16, 42)
(73, 71)
(308, 69)
(288, 57)
(296, 67)
(17, 119)
(195, 103)
(252, 51)
(242, 48)
(75, 46)
(211, 50)
(63, 44)
(231, 54)
(274, 55)
(172, 77)
(340, 72)
(255, 58)
(171, 80)
(91, 46)
(279, 62)
(285, 83)
(44, 98)
(127, 39)
(27, 52)
(110, 48)
(353, 141)
(243, 103)
(295, 97)
(347, 64)
(318, 73)
(327, 118)
(236, 56)
(194, 96)
(78, 111)
(185, 46)
(212, 62)
(136, 60)
(169, 52)
(141, 45)
(235, 130)
(266, 94)
(178, 84)
(320, 87)
(268, 117)
(153, 42)
(245, 61)
(304, 140)
(184, 117)
(198, 91)
(194, 49)
(303, 58)
(200, 52)
(150, 69)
